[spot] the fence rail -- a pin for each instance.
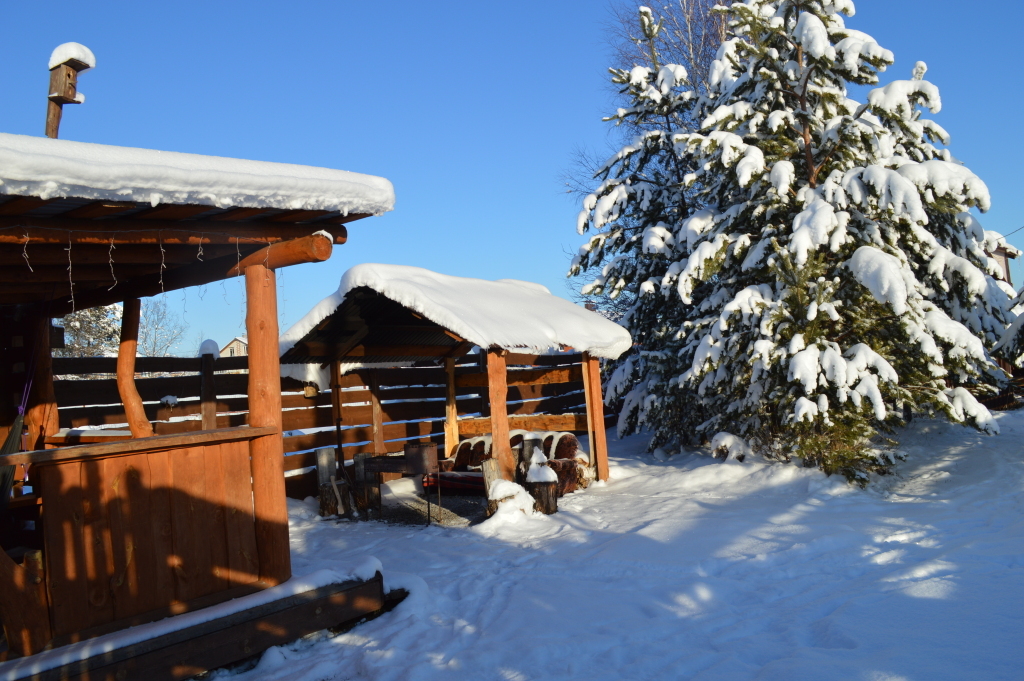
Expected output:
(544, 393)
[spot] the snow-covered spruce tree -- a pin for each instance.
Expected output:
(820, 267)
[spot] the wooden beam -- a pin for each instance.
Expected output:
(296, 216)
(41, 274)
(497, 392)
(22, 204)
(124, 254)
(237, 214)
(108, 365)
(342, 219)
(451, 410)
(137, 421)
(399, 351)
(311, 248)
(221, 641)
(57, 230)
(99, 209)
(571, 423)
(155, 443)
(269, 501)
(172, 211)
(41, 415)
(526, 377)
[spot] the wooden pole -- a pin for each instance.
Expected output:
(497, 393)
(41, 413)
(379, 447)
(451, 411)
(595, 415)
(267, 452)
(133, 409)
(336, 407)
(208, 394)
(54, 111)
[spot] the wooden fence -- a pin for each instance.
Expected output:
(544, 393)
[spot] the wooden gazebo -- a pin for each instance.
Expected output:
(135, 530)
(391, 316)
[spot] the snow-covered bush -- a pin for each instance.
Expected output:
(805, 266)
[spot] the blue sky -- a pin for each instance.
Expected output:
(472, 110)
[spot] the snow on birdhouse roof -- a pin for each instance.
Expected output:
(52, 168)
(69, 51)
(508, 314)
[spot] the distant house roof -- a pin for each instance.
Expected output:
(403, 313)
(49, 168)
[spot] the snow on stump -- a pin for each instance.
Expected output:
(542, 483)
(724, 445)
(505, 497)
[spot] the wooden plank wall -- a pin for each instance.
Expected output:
(544, 393)
(127, 515)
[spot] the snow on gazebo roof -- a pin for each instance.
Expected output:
(509, 314)
(51, 168)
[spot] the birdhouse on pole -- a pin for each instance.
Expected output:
(66, 62)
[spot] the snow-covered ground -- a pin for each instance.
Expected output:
(695, 569)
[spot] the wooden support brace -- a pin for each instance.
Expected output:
(133, 409)
(41, 415)
(269, 502)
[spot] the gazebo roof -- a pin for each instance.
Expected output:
(97, 215)
(396, 313)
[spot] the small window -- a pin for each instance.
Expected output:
(231, 352)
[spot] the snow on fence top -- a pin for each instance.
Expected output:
(509, 314)
(51, 168)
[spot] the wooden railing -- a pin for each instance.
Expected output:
(134, 531)
(544, 393)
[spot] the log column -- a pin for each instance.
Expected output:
(267, 452)
(41, 412)
(133, 409)
(451, 410)
(595, 415)
(497, 393)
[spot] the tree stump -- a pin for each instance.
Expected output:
(545, 496)
(491, 473)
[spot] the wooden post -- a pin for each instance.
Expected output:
(208, 394)
(451, 410)
(378, 414)
(267, 452)
(336, 406)
(24, 606)
(133, 408)
(595, 415)
(497, 394)
(41, 413)
(327, 477)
